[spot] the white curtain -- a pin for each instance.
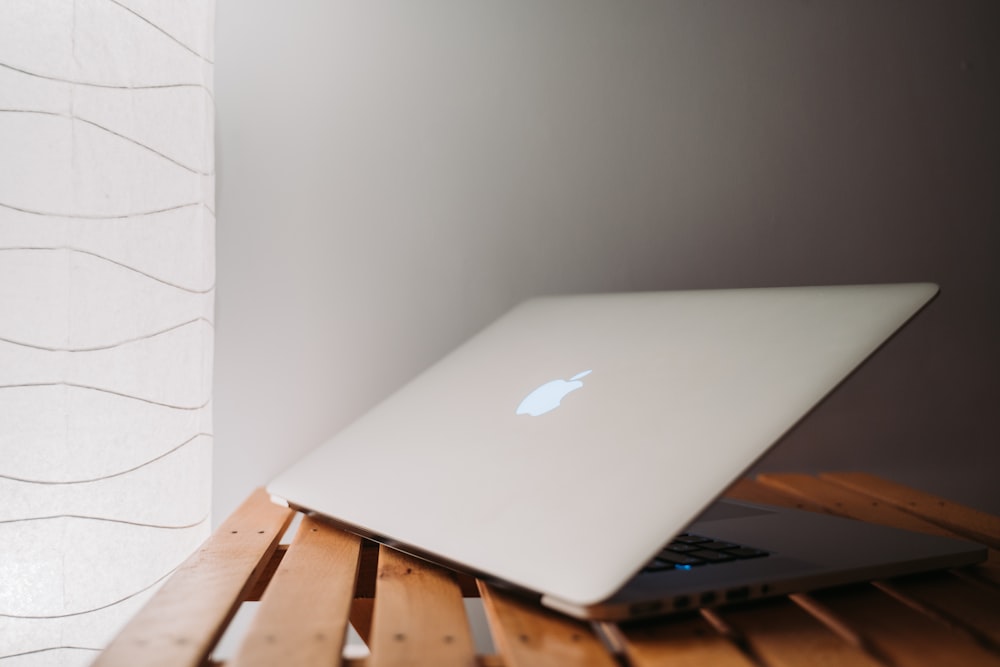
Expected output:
(107, 231)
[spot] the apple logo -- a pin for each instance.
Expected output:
(548, 397)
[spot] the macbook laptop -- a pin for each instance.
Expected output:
(574, 450)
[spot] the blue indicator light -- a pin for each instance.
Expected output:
(683, 567)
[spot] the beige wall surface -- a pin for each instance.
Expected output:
(393, 175)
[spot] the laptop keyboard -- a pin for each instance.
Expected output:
(688, 551)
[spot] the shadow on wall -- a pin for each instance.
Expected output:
(396, 176)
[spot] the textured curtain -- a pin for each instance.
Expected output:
(106, 305)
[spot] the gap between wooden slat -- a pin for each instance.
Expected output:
(361, 617)
(840, 627)
(976, 578)
(367, 570)
(737, 638)
(255, 593)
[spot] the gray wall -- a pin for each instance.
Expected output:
(393, 175)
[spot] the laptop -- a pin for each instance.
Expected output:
(574, 450)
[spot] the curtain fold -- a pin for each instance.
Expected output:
(107, 262)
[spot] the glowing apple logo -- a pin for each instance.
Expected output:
(548, 397)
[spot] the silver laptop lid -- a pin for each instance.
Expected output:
(559, 448)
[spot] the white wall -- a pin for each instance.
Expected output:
(393, 175)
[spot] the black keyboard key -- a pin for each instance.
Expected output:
(657, 566)
(717, 545)
(712, 556)
(746, 552)
(687, 551)
(679, 559)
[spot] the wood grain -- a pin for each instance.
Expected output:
(419, 617)
(839, 500)
(781, 634)
(681, 641)
(528, 635)
(302, 619)
(182, 622)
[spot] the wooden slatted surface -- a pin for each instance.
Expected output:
(411, 613)
(783, 634)
(180, 625)
(686, 642)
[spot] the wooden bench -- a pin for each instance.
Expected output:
(412, 613)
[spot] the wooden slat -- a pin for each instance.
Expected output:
(844, 502)
(181, 623)
(527, 634)
(753, 491)
(419, 617)
(369, 568)
(302, 619)
(902, 635)
(681, 641)
(781, 634)
(974, 524)
(962, 605)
